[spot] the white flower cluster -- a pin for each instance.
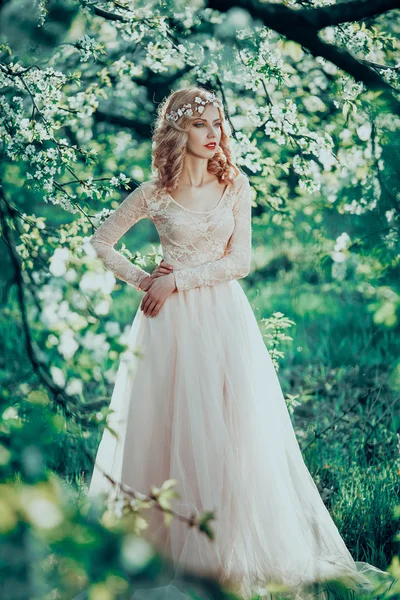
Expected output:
(309, 172)
(84, 103)
(41, 11)
(119, 180)
(186, 109)
(89, 48)
(246, 152)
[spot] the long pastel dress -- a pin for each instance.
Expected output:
(201, 403)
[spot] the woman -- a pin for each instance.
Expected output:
(202, 404)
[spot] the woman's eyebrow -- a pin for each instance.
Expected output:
(206, 120)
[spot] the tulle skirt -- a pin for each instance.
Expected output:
(200, 402)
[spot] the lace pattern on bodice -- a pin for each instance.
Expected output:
(204, 247)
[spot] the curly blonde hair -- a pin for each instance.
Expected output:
(170, 139)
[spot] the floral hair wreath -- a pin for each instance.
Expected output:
(186, 109)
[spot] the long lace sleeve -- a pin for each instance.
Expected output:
(236, 263)
(131, 210)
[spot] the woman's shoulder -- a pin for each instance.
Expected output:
(149, 183)
(240, 179)
(241, 182)
(149, 188)
(240, 175)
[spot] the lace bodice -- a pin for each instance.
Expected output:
(204, 247)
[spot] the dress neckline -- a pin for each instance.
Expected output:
(200, 212)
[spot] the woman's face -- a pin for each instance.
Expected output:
(205, 129)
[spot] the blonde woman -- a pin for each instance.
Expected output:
(202, 403)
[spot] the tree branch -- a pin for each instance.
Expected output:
(100, 12)
(40, 368)
(302, 26)
(275, 15)
(345, 12)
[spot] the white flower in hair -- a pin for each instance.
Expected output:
(188, 110)
(172, 116)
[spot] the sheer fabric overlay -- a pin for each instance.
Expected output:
(200, 402)
(205, 248)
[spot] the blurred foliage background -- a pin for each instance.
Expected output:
(311, 91)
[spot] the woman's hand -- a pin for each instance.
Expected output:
(160, 289)
(162, 269)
